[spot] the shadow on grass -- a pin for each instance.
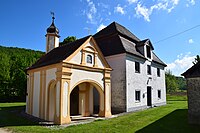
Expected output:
(175, 122)
(14, 116)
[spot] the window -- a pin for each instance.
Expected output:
(137, 67)
(159, 94)
(89, 59)
(158, 72)
(148, 51)
(149, 69)
(137, 95)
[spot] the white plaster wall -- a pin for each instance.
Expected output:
(80, 75)
(50, 75)
(65, 99)
(36, 94)
(158, 83)
(77, 58)
(58, 99)
(139, 81)
(56, 42)
(99, 62)
(118, 81)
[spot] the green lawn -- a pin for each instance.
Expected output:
(171, 118)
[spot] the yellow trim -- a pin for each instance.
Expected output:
(62, 119)
(94, 83)
(32, 90)
(44, 95)
(41, 90)
(83, 58)
(86, 68)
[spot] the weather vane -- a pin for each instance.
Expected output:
(53, 16)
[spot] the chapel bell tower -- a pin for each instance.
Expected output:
(52, 36)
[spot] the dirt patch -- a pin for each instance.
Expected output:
(3, 130)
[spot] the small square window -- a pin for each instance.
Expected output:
(158, 72)
(137, 67)
(89, 59)
(149, 69)
(137, 95)
(159, 94)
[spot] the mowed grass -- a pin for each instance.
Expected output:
(171, 118)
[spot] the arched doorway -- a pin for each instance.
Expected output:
(51, 105)
(74, 101)
(86, 99)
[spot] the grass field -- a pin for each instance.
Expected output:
(171, 118)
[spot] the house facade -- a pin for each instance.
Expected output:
(138, 76)
(112, 70)
(192, 76)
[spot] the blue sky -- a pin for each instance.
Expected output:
(23, 24)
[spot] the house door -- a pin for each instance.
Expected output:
(149, 96)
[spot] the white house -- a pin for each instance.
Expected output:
(111, 70)
(138, 76)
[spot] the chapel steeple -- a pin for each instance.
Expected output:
(52, 36)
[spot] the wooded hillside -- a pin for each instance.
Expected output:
(13, 62)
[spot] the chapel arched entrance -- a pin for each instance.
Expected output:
(87, 99)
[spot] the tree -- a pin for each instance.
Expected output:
(196, 60)
(13, 62)
(171, 83)
(68, 40)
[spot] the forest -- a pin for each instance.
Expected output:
(13, 63)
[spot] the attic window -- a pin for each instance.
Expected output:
(148, 51)
(89, 59)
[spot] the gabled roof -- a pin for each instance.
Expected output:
(114, 28)
(59, 54)
(192, 72)
(142, 43)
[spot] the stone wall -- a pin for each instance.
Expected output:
(193, 85)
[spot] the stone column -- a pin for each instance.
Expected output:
(107, 94)
(84, 99)
(63, 91)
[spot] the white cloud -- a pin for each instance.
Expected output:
(181, 64)
(190, 41)
(132, 1)
(167, 5)
(91, 11)
(101, 26)
(191, 2)
(143, 11)
(119, 9)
